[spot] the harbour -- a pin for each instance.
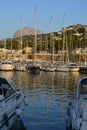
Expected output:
(48, 95)
(43, 65)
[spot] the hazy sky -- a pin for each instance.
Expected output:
(11, 12)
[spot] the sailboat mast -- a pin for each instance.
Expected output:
(5, 49)
(51, 42)
(21, 33)
(63, 38)
(85, 45)
(35, 31)
(67, 52)
(50, 38)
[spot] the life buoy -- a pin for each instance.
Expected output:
(6, 120)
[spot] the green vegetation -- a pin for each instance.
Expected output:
(75, 37)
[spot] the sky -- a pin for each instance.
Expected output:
(16, 14)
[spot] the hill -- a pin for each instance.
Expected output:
(26, 31)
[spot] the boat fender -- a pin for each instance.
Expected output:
(3, 104)
(68, 121)
(79, 122)
(18, 111)
(1, 97)
(25, 100)
(6, 120)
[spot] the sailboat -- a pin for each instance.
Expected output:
(73, 66)
(83, 68)
(50, 66)
(67, 67)
(35, 68)
(19, 65)
(64, 67)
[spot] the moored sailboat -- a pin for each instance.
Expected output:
(35, 69)
(50, 66)
(19, 65)
(65, 56)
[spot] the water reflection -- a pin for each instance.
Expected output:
(48, 95)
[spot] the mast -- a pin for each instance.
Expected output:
(63, 37)
(85, 45)
(50, 38)
(65, 45)
(21, 33)
(35, 31)
(5, 49)
(67, 52)
(51, 42)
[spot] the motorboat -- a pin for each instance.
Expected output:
(10, 101)
(6, 66)
(77, 110)
(20, 66)
(33, 67)
(73, 67)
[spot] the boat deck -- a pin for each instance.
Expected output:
(83, 107)
(84, 125)
(84, 119)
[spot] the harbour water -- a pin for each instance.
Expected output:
(48, 95)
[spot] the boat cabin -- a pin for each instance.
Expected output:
(5, 89)
(72, 64)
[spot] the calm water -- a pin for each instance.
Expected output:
(48, 95)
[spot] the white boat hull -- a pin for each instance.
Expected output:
(20, 68)
(6, 67)
(11, 121)
(10, 101)
(77, 111)
(63, 69)
(74, 69)
(49, 69)
(8, 114)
